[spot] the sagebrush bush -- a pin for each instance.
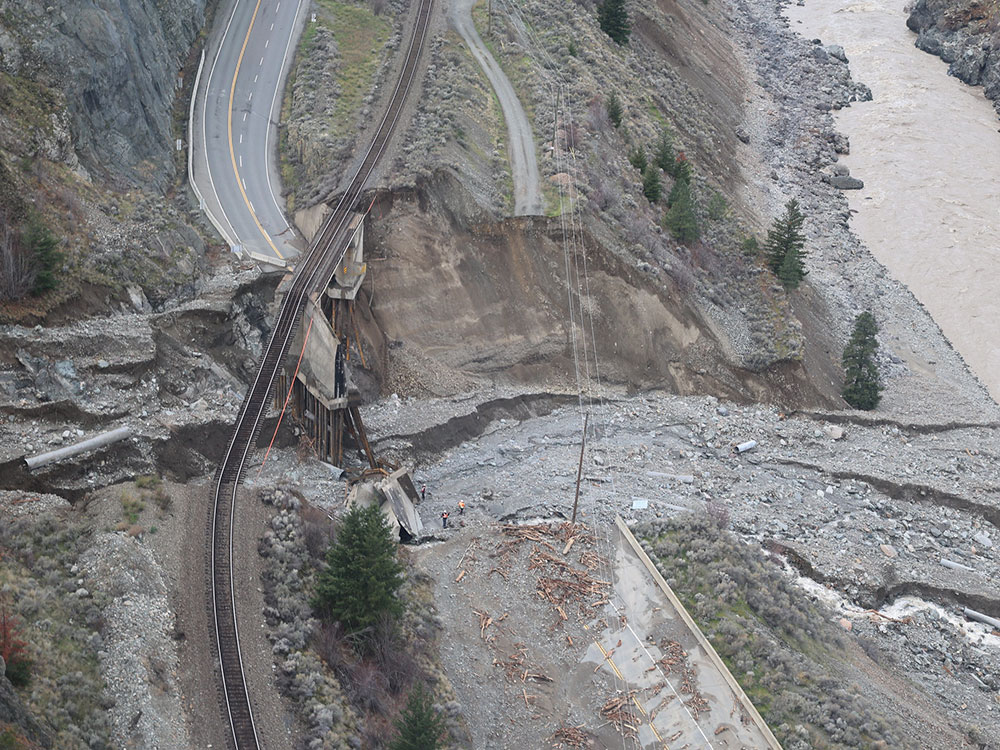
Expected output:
(777, 643)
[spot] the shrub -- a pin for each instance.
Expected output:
(147, 481)
(420, 727)
(13, 648)
(638, 159)
(717, 206)
(132, 506)
(750, 246)
(17, 272)
(614, 108)
(361, 577)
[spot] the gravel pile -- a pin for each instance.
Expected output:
(139, 654)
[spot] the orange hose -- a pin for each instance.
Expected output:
(287, 398)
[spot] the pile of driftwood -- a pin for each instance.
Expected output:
(570, 737)
(619, 711)
(674, 659)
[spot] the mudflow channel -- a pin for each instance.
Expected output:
(928, 151)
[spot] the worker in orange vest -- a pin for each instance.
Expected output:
(444, 520)
(461, 507)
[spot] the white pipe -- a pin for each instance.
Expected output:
(90, 444)
(980, 617)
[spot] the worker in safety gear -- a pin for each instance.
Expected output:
(461, 507)
(444, 520)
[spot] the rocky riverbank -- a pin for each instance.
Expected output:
(963, 33)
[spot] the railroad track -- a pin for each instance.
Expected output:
(311, 274)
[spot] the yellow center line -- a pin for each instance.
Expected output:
(232, 152)
(642, 710)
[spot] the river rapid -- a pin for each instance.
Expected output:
(928, 150)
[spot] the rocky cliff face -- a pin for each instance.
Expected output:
(116, 64)
(965, 35)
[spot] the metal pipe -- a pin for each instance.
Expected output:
(90, 444)
(980, 617)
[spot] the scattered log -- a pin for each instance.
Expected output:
(460, 576)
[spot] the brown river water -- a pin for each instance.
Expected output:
(928, 150)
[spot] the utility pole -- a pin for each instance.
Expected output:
(489, 23)
(579, 470)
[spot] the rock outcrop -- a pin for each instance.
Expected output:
(116, 64)
(962, 34)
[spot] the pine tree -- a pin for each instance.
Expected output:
(862, 384)
(652, 188)
(420, 727)
(682, 168)
(41, 246)
(791, 271)
(613, 17)
(665, 158)
(362, 575)
(614, 106)
(786, 237)
(638, 159)
(681, 219)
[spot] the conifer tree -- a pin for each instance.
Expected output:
(614, 106)
(862, 384)
(638, 159)
(41, 245)
(362, 575)
(652, 188)
(665, 158)
(613, 18)
(682, 168)
(785, 238)
(681, 219)
(420, 727)
(791, 271)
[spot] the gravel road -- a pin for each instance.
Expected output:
(521, 144)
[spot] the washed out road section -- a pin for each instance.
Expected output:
(520, 139)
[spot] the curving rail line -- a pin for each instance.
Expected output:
(312, 273)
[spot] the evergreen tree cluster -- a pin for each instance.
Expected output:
(785, 246)
(362, 576)
(663, 159)
(613, 18)
(862, 384)
(681, 219)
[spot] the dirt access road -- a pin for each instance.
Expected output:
(520, 140)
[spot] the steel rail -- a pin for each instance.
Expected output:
(310, 275)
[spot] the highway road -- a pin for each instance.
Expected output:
(233, 125)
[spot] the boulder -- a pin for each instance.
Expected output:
(845, 182)
(837, 52)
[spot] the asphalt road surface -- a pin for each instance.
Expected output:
(520, 139)
(234, 124)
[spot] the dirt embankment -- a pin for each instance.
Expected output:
(474, 297)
